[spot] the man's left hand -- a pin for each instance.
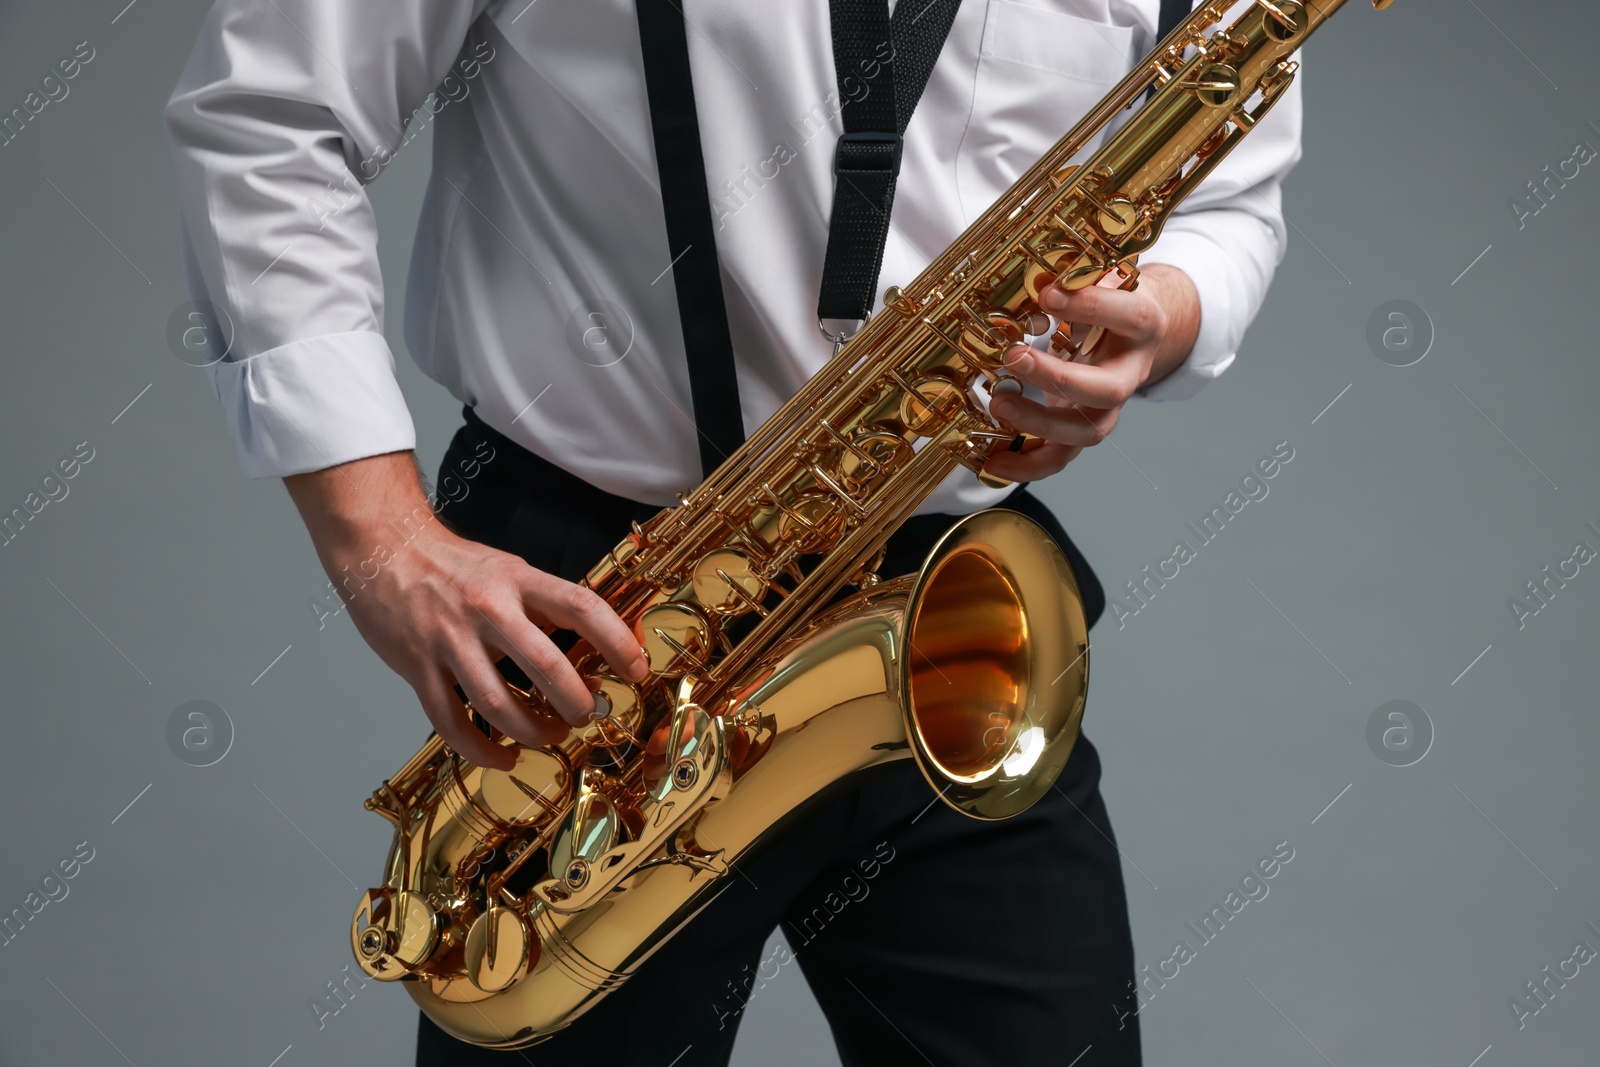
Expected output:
(1148, 334)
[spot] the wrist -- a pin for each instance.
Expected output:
(369, 506)
(1173, 289)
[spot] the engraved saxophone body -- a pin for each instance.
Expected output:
(781, 666)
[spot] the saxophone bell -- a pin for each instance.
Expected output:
(996, 667)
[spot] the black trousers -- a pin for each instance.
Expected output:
(926, 936)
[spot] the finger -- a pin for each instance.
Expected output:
(1071, 425)
(552, 673)
(1106, 384)
(578, 608)
(1134, 315)
(1032, 465)
(494, 700)
(536, 654)
(450, 719)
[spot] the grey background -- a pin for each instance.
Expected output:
(1230, 712)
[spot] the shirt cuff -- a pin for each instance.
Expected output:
(313, 404)
(1214, 347)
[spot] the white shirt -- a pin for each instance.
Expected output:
(538, 289)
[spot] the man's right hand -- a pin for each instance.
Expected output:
(442, 609)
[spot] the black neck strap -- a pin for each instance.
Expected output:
(713, 385)
(881, 65)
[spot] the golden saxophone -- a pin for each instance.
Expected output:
(512, 902)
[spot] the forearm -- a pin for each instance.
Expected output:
(1175, 291)
(346, 508)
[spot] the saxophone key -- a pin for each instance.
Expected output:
(1069, 265)
(533, 792)
(675, 638)
(1286, 19)
(930, 404)
(872, 454)
(617, 715)
(1217, 86)
(417, 928)
(725, 583)
(499, 949)
(811, 523)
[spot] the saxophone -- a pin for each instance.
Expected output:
(781, 665)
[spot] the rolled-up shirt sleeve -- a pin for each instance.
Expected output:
(1229, 236)
(283, 114)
